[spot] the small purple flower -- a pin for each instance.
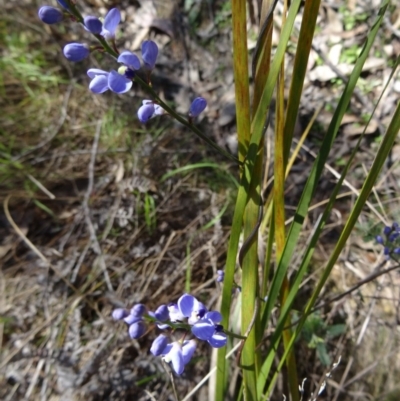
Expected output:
(111, 21)
(393, 237)
(76, 51)
(50, 15)
(198, 105)
(220, 276)
(379, 239)
(137, 329)
(208, 329)
(159, 345)
(145, 112)
(191, 308)
(99, 82)
(149, 54)
(396, 251)
(179, 355)
(103, 81)
(149, 110)
(119, 314)
(93, 24)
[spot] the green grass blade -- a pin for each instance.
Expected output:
(377, 165)
(318, 167)
(310, 15)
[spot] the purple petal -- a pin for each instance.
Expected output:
(188, 350)
(50, 15)
(149, 54)
(118, 83)
(218, 339)
(203, 329)
(76, 51)
(214, 316)
(129, 59)
(159, 345)
(167, 349)
(176, 358)
(99, 84)
(162, 313)
(145, 112)
(93, 24)
(111, 21)
(187, 304)
(136, 330)
(119, 314)
(93, 72)
(198, 105)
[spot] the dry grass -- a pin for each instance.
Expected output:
(88, 225)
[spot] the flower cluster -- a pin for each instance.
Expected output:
(189, 315)
(390, 240)
(120, 80)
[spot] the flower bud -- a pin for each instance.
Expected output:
(119, 314)
(136, 330)
(138, 310)
(149, 54)
(93, 24)
(76, 52)
(198, 105)
(50, 15)
(159, 345)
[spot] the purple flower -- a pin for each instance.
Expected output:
(220, 276)
(111, 21)
(76, 51)
(191, 308)
(149, 54)
(137, 329)
(93, 24)
(208, 329)
(198, 105)
(159, 345)
(99, 82)
(103, 81)
(50, 15)
(379, 239)
(119, 314)
(149, 110)
(145, 112)
(179, 355)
